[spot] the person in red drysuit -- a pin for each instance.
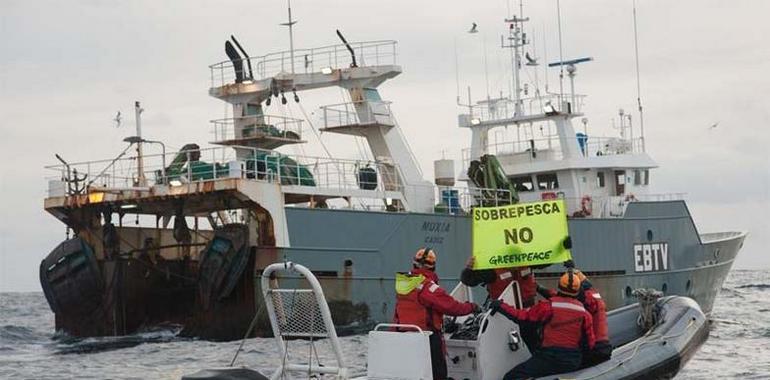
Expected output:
(567, 329)
(594, 304)
(420, 301)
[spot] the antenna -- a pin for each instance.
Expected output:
(638, 82)
(457, 73)
(517, 39)
(561, 56)
(290, 24)
(486, 70)
(139, 159)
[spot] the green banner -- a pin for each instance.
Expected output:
(522, 234)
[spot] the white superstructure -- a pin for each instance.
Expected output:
(543, 154)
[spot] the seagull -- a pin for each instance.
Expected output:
(117, 119)
(530, 61)
(713, 126)
(473, 28)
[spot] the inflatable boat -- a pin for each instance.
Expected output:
(653, 339)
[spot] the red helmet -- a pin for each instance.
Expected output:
(425, 257)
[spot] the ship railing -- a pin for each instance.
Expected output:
(123, 173)
(324, 172)
(306, 61)
(357, 113)
(247, 127)
(662, 197)
(194, 165)
(501, 109)
(611, 206)
(460, 200)
(609, 146)
(549, 148)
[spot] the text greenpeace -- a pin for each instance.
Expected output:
(520, 235)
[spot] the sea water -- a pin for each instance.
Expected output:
(738, 346)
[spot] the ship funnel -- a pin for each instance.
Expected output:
(444, 170)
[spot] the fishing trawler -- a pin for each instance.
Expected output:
(183, 237)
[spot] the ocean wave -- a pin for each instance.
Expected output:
(66, 344)
(18, 334)
(754, 286)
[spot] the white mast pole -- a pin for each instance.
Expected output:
(139, 160)
(457, 73)
(486, 69)
(638, 82)
(290, 24)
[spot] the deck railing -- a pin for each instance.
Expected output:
(549, 149)
(357, 113)
(493, 110)
(191, 165)
(259, 125)
(368, 53)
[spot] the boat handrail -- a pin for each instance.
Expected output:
(300, 318)
(309, 60)
(399, 326)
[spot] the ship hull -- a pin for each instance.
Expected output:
(618, 254)
(355, 255)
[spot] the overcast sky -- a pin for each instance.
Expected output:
(67, 67)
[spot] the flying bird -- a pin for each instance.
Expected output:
(714, 126)
(473, 28)
(530, 61)
(117, 120)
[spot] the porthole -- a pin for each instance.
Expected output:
(628, 292)
(664, 288)
(649, 235)
(348, 263)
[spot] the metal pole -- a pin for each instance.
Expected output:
(139, 161)
(638, 85)
(561, 58)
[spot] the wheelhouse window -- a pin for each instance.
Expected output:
(646, 177)
(523, 183)
(637, 177)
(600, 179)
(547, 181)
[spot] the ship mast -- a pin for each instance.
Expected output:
(290, 24)
(638, 85)
(517, 39)
(139, 159)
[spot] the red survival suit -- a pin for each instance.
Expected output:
(496, 280)
(567, 328)
(422, 302)
(594, 304)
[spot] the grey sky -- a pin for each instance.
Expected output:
(66, 67)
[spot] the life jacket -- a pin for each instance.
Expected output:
(564, 329)
(409, 310)
(525, 278)
(599, 314)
